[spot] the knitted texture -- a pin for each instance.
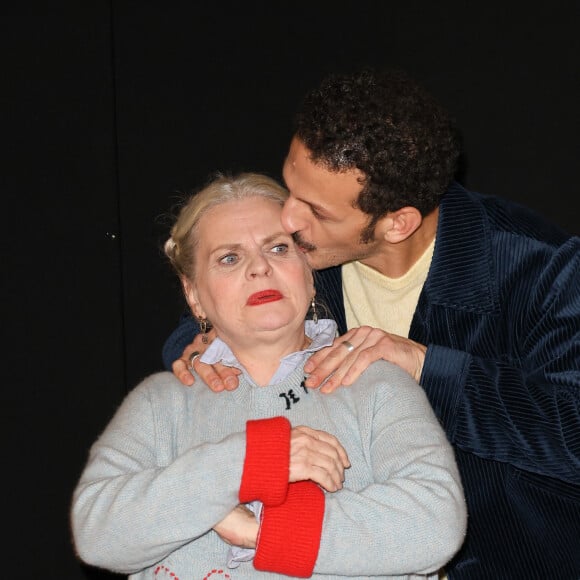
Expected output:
(266, 466)
(169, 466)
(297, 522)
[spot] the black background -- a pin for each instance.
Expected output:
(111, 110)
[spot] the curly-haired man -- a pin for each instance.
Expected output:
(476, 297)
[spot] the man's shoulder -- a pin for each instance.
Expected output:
(503, 216)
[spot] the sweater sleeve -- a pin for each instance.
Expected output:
(297, 521)
(139, 497)
(267, 462)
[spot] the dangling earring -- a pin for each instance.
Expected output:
(203, 327)
(314, 313)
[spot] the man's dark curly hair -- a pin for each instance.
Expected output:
(389, 127)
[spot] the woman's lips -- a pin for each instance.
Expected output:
(263, 297)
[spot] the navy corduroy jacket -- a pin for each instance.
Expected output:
(500, 316)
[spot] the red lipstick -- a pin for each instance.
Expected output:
(263, 297)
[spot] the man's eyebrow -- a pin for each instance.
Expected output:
(316, 205)
(319, 209)
(313, 205)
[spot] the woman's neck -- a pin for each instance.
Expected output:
(262, 360)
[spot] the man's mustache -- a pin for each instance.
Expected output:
(302, 243)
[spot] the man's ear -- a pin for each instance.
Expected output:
(190, 292)
(399, 225)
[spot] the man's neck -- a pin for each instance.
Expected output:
(395, 260)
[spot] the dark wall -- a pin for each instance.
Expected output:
(112, 111)
(62, 321)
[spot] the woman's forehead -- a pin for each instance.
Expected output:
(238, 218)
(250, 209)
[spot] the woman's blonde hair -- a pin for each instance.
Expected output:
(180, 247)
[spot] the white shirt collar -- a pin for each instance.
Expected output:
(322, 334)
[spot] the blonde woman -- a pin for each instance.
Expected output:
(270, 480)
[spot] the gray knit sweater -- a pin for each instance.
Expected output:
(168, 466)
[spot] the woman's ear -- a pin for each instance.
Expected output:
(190, 292)
(399, 225)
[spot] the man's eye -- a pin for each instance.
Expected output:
(316, 213)
(280, 248)
(228, 259)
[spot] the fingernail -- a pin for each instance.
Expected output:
(230, 381)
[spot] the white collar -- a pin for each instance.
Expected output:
(322, 334)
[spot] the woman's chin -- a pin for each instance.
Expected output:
(273, 323)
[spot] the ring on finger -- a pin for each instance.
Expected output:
(192, 357)
(348, 345)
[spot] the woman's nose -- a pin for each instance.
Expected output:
(259, 266)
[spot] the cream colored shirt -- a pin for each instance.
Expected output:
(372, 299)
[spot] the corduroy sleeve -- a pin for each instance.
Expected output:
(267, 461)
(297, 522)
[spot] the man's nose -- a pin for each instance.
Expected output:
(291, 220)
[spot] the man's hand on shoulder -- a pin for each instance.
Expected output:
(217, 377)
(351, 354)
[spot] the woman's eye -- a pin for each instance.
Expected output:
(280, 248)
(228, 259)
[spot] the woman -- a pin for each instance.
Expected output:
(160, 496)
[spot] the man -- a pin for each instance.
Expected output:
(476, 297)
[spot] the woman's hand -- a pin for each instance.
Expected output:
(317, 456)
(343, 364)
(239, 528)
(217, 377)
